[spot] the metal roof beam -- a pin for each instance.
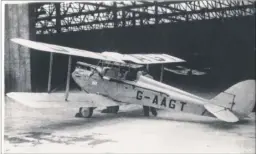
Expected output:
(166, 15)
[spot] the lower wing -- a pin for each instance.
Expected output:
(80, 99)
(57, 100)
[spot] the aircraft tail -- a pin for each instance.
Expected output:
(239, 98)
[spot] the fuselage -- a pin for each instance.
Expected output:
(139, 89)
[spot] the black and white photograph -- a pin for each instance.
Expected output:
(128, 76)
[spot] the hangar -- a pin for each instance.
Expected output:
(219, 35)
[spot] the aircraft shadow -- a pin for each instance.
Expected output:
(108, 119)
(46, 132)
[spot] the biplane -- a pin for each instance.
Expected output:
(123, 79)
(181, 70)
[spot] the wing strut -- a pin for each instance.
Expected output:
(68, 77)
(50, 73)
(162, 73)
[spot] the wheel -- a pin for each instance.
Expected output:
(153, 111)
(85, 112)
(146, 111)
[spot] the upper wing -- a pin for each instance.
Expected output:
(145, 58)
(151, 58)
(106, 56)
(64, 50)
(57, 100)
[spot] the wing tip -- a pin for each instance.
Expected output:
(15, 40)
(9, 94)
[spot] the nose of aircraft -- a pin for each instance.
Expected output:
(76, 74)
(81, 75)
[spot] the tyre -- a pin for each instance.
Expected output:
(86, 112)
(153, 111)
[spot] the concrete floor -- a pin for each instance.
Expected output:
(58, 131)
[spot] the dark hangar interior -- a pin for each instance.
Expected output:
(218, 35)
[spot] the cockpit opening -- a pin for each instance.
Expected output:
(129, 74)
(114, 71)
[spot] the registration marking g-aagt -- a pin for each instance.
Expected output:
(160, 101)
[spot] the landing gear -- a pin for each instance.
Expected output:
(153, 111)
(85, 112)
(111, 109)
(146, 110)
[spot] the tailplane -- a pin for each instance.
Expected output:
(239, 98)
(221, 113)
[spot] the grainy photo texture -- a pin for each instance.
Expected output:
(129, 77)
